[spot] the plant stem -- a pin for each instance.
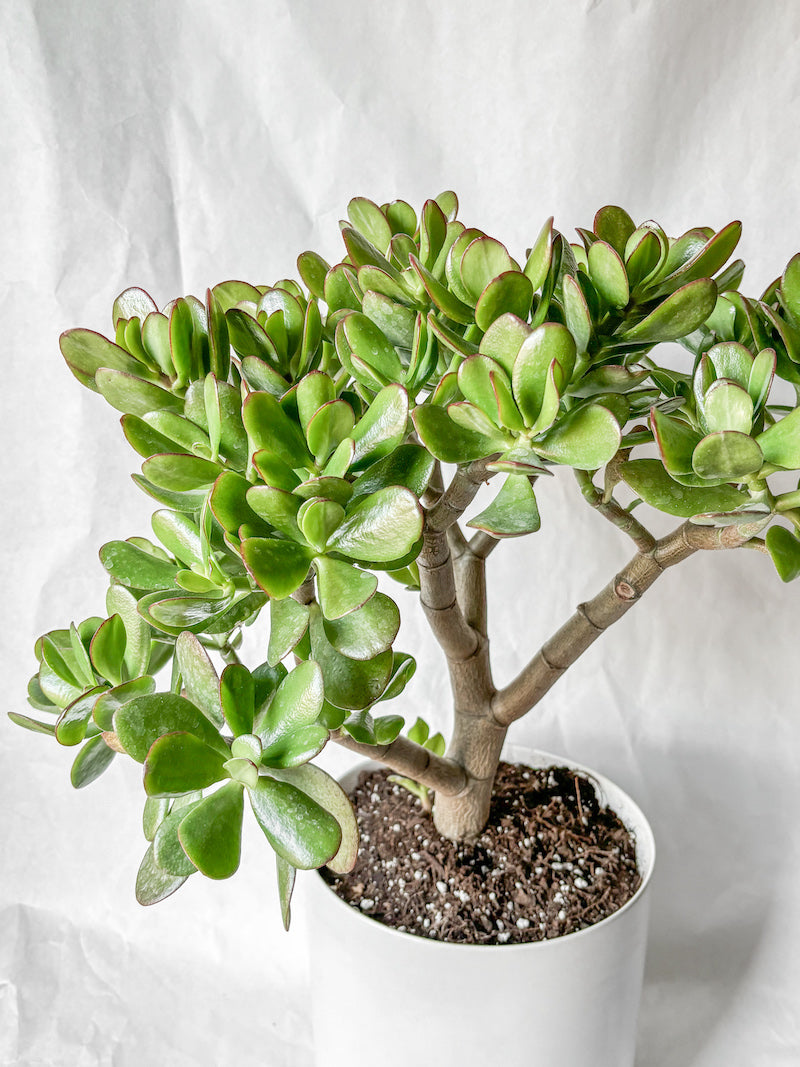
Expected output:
(595, 616)
(412, 760)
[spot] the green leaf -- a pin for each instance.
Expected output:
(382, 427)
(585, 438)
(132, 395)
(331, 424)
(441, 296)
(761, 376)
(369, 220)
(483, 260)
(342, 588)
(179, 473)
(607, 272)
(199, 677)
(409, 465)
(278, 567)
(503, 340)
(155, 811)
(140, 722)
(546, 343)
(370, 345)
(512, 512)
(131, 566)
(180, 763)
(87, 352)
(731, 360)
(286, 877)
(614, 225)
(447, 441)
(784, 548)
(179, 535)
(237, 695)
(268, 426)
(789, 290)
(110, 700)
(678, 315)
(211, 834)
(394, 320)
(312, 269)
(318, 520)
(727, 406)
(380, 527)
(167, 849)
(403, 670)
(538, 264)
(780, 444)
(314, 390)
(576, 313)
(727, 455)
(34, 725)
(154, 884)
(297, 703)
(367, 631)
(648, 479)
(676, 442)
(93, 758)
(138, 644)
(107, 649)
(349, 683)
(298, 828)
(278, 508)
(288, 624)
(511, 292)
(705, 262)
(74, 719)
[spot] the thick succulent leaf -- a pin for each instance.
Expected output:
(268, 426)
(484, 260)
(441, 296)
(368, 343)
(326, 791)
(537, 266)
(349, 683)
(761, 376)
(382, 427)
(110, 700)
(237, 698)
(154, 884)
(140, 722)
(576, 313)
(167, 848)
(155, 811)
(678, 315)
(789, 288)
(731, 360)
(301, 831)
(585, 438)
(409, 465)
(713, 254)
(180, 473)
(511, 292)
(512, 512)
(648, 479)
(288, 624)
(278, 567)
(784, 548)
(318, 519)
(676, 442)
(131, 566)
(312, 269)
(547, 343)
(329, 488)
(179, 535)
(34, 725)
(394, 320)
(138, 644)
(74, 719)
(228, 500)
(328, 428)
(503, 340)
(314, 390)
(727, 455)
(607, 272)
(614, 225)
(132, 395)
(107, 649)
(727, 406)
(211, 834)
(367, 631)
(447, 441)
(341, 587)
(181, 763)
(297, 703)
(404, 668)
(87, 352)
(278, 508)
(780, 444)
(199, 677)
(381, 527)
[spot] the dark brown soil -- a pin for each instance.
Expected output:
(550, 862)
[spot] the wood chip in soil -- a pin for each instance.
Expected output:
(551, 861)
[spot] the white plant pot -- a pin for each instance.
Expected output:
(394, 999)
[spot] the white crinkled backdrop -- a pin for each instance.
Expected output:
(177, 144)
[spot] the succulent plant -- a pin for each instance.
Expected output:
(304, 438)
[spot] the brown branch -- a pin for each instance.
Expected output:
(459, 494)
(482, 544)
(412, 760)
(615, 513)
(595, 616)
(437, 591)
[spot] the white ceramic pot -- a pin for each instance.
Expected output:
(394, 999)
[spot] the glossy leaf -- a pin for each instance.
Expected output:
(278, 508)
(269, 427)
(342, 588)
(349, 683)
(727, 406)
(367, 631)
(278, 567)
(382, 428)
(181, 763)
(549, 342)
(211, 834)
(380, 527)
(509, 293)
(648, 479)
(538, 263)
(447, 441)
(140, 722)
(586, 438)
(154, 884)
(784, 548)
(513, 511)
(199, 677)
(167, 849)
(107, 649)
(132, 395)
(780, 444)
(613, 225)
(110, 700)
(298, 828)
(607, 272)
(678, 315)
(179, 473)
(728, 455)
(288, 624)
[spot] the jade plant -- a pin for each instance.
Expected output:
(309, 441)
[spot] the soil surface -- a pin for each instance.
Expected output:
(550, 862)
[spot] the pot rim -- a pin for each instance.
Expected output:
(634, 820)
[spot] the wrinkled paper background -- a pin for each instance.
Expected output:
(177, 144)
